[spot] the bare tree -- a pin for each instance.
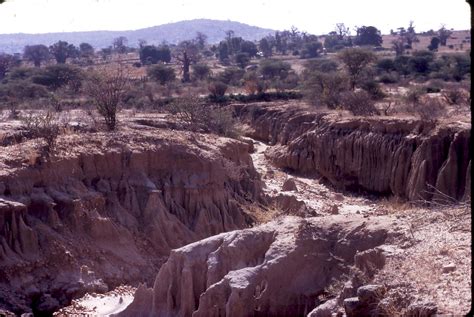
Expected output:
(342, 31)
(398, 46)
(120, 44)
(107, 88)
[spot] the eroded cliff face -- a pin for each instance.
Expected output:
(96, 219)
(411, 159)
(276, 269)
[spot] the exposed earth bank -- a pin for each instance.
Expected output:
(108, 209)
(148, 203)
(408, 158)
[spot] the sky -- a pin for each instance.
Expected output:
(314, 16)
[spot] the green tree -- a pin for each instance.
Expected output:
(86, 50)
(443, 35)
(356, 60)
(242, 59)
(368, 35)
(150, 54)
(59, 75)
(223, 51)
(311, 49)
(274, 69)
(248, 47)
(36, 54)
(265, 46)
(434, 44)
(7, 62)
(62, 50)
(162, 74)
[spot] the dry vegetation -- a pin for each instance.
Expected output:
(102, 100)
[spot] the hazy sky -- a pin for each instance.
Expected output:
(316, 16)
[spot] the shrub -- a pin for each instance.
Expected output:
(273, 69)
(217, 89)
(401, 65)
(325, 89)
(161, 74)
(196, 115)
(188, 110)
(21, 73)
(414, 95)
(21, 91)
(242, 59)
(455, 96)
(434, 86)
(45, 126)
(56, 76)
(222, 122)
(385, 65)
(231, 76)
(359, 103)
(430, 109)
(389, 78)
(373, 89)
(321, 65)
(107, 89)
(201, 71)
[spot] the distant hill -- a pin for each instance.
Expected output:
(171, 33)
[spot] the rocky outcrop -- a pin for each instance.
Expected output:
(411, 159)
(276, 269)
(94, 220)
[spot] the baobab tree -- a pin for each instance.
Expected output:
(187, 53)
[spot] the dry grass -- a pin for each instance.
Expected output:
(435, 241)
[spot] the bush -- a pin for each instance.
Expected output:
(107, 89)
(242, 59)
(196, 115)
(455, 96)
(201, 71)
(430, 109)
(385, 65)
(434, 86)
(321, 65)
(45, 126)
(290, 82)
(414, 95)
(373, 89)
(359, 103)
(324, 89)
(266, 96)
(401, 65)
(56, 76)
(21, 73)
(161, 74)
(21, 91)
(217, 90)
(222, 122)
(389, 78)
(231, 76)
(273, 69)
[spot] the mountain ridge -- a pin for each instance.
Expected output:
(171, 33)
